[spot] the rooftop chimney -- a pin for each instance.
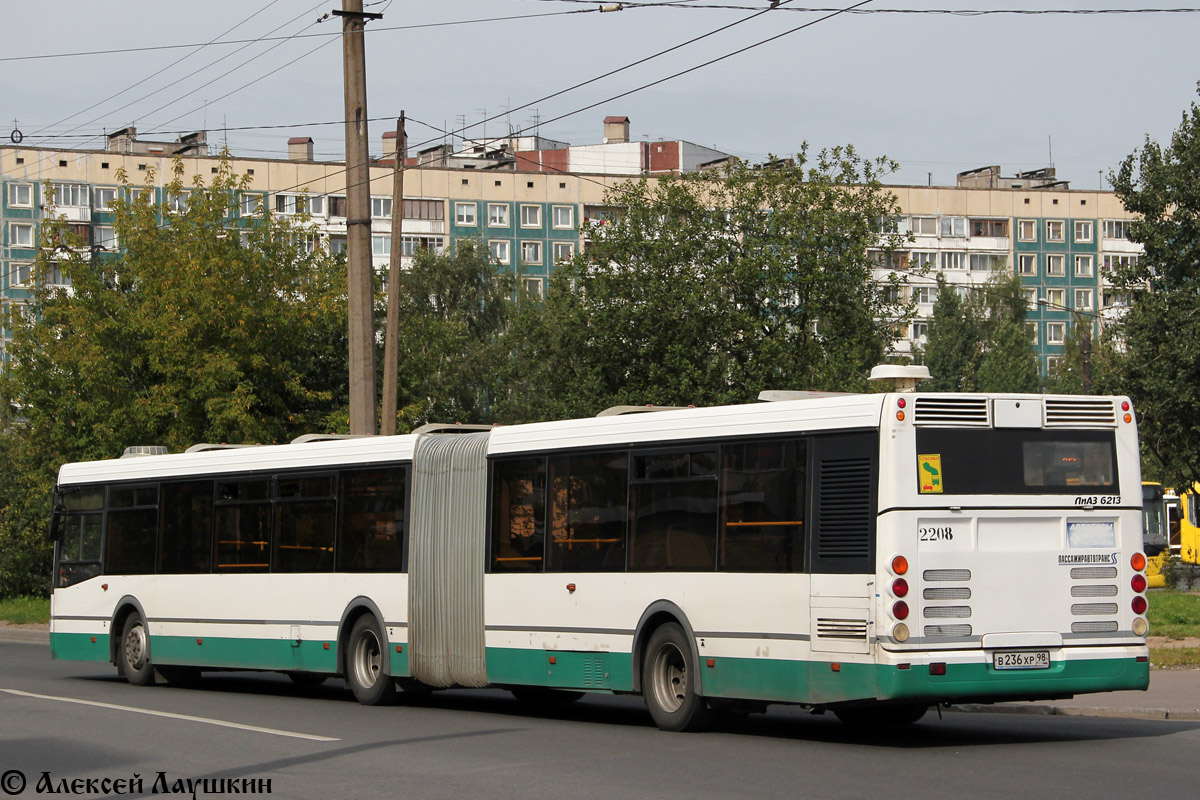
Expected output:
(300, 148)
(389, 144)
(616, 130)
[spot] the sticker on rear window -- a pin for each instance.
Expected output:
(1091, 534)
(930, 473)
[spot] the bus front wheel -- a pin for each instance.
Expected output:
(134, 653)
(669, 682)
(366, 651)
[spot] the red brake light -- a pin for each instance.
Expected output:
(900, 609)
(901, 403)
(900, 587)
(1124, 405)
(1138, 583)
(1139, 605)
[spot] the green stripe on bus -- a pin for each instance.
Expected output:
(79, 646)
(588, 670)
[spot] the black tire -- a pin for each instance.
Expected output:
(133, 652)
(366, 654)
(307, 680)
(894, 716)
(669, 682)
(542, 696)
(180, 676)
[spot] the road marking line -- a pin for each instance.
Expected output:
(169, 715)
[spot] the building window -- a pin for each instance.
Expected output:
(924, 226)
(923, 261)
(316, 205)
(952, 260)
(1056, 299)
(563, 252)
(532, 287)
(20, 234)
(1115, 299)
(464, 214)
(498, 215)
(381, 246)
(105, 198)
(499, 250)
(1084, 266)
(1031, 297)
(249, 205)
(894, 260)
(1083, 299)
(986, 262)
(1056, 265)
(19, 273)
(1056, 332)
(289, 204)
(1027, 230)
(424, 209)
(409, 245)
(1116, 262)
(381, 207)
(1083, 230)
(954, 226)
(564, 217)
(1116, 229)
(995, 228)
(20, 195)
(531, 216)
(1055, 230)
(920, 331)
(1027, 263)
(178, 202)
(70, 194)
(337, 206)
(337, 245)
(106, 237)
(1053, 363)
(925, 294)
(531, 252)
(1031, 332)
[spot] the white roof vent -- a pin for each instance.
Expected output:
(904, 377)
(144, 450)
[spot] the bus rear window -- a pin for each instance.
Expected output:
(1015, 461)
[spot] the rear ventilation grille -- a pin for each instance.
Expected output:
(1093, 609)
(966, 411)
(946, 574)
(1092, 573)
(852, 629)
(1093, 627)
(845, 521)
(1093, 590)
(1069, 411)
(947, 630)
(947, 612)
(947, 593)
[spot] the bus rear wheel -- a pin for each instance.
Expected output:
(134, 652)
(366, 652)
(669, 682)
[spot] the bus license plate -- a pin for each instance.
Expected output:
(1026, 659)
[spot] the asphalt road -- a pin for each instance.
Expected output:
(484, 744)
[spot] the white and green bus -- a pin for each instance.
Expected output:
(870, 554)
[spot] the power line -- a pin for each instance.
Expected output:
(910, 11)
(417, 26)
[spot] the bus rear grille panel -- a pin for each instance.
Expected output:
(946, 575)
(1094, 627)
(1093, 609)
(948, 630)
(1093, 573)
(1065, 411)
(947, 593)
(947, 612)
(835, 628)
(845, 530)
(1093, 590)
(966, 411)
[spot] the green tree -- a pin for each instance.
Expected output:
(202, 327)
(454, 313)
(1161, 370)
(952, 347)
(710, 287)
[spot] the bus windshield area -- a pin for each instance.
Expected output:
(1017, 461)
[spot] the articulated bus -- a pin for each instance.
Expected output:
(871, 555)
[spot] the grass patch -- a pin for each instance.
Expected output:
(1175, 615)
(1175, 657)
(25, 610)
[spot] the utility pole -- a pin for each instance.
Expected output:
(391, 336)
(360, 281)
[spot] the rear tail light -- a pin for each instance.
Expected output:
(1140, 626)
(900, 609)
(900, 587)
(899, 565)
(1138, 583)
(900, 632)
(1138, 561)
(1139, 605)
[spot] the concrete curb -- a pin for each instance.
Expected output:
(23, 636)
(1078, 711)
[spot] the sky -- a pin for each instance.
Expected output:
(937, 93)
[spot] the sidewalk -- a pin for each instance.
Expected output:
(1173, 693)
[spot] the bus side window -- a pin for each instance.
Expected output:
(79, 548)
(131, 530)
(518, 515)
(674, 512)
(372, 536)
(588, 511)
(186, 528)
(305, 522)
(243, 526)
(762, 506)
